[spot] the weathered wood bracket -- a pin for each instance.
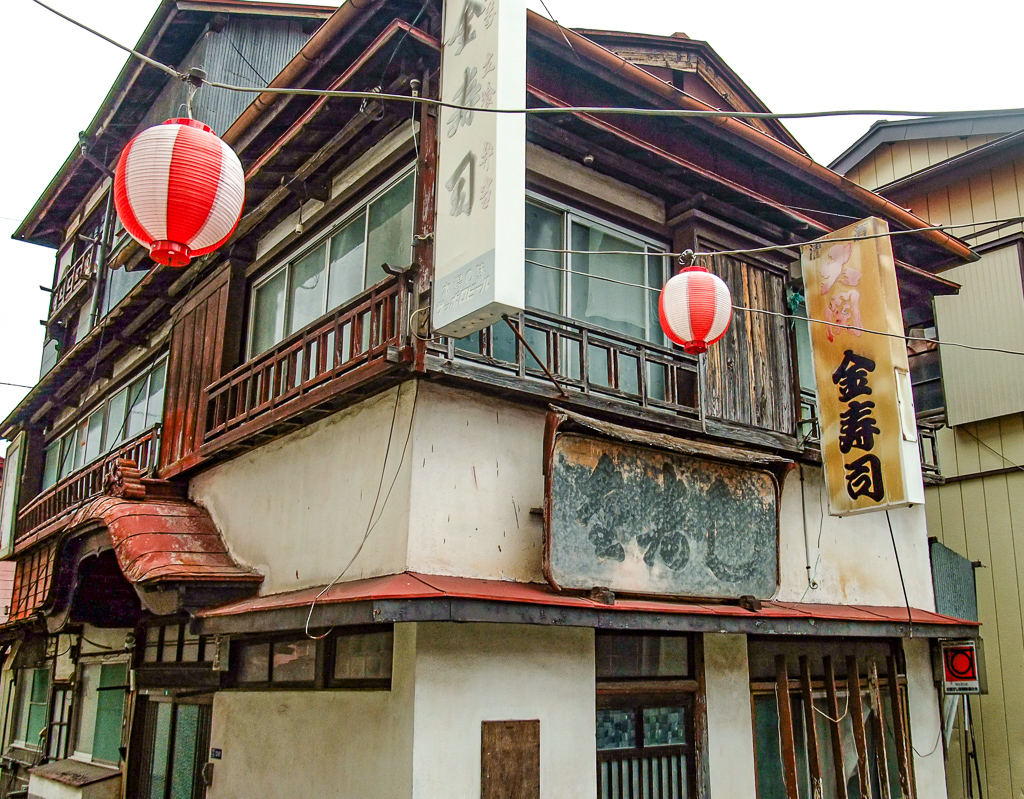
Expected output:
(307, 190)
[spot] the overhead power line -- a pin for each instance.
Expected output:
(684, 113)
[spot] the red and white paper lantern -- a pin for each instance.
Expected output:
(695, 309)
(179, 189)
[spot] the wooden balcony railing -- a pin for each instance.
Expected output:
(585, 359)
(87, 482)
(327, 357)
(78, 274)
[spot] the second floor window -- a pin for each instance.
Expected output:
(122, 416)
(572, 284)
(336, 269)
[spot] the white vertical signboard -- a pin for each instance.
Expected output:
(481, 178)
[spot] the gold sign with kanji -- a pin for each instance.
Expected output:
(865, 403)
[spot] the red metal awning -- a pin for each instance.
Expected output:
(423, 597)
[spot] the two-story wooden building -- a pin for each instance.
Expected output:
(274, 536)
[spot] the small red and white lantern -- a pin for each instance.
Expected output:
(179, 189)
(695, 309)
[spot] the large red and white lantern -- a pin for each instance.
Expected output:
(695, 308)
(179, 189)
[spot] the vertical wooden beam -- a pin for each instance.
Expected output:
(423, 247)
(811, 734)
(835, 728)
(878, 727)
(899, 727)
(786, 740)
(860, 737)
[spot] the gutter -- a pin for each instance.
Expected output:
(619, 66)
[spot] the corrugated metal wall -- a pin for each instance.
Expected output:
(983, 519)
(891, 162)
(988, 312)
(248, 51)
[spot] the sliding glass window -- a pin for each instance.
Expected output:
(336, 268)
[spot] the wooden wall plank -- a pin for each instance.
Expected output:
(510, 760)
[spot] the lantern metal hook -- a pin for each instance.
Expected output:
(686, 258)
(195, 78)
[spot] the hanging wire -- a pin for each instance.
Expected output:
(683, 113)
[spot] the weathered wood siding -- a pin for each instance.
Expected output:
(750, 371)
(896, 160)
(983, 519)
(988, 312)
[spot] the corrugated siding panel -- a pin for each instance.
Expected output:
(249, 51)
(953, 581)
(988, 312)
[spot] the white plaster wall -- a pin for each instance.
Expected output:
(42, 788)
(470, 673)
(854, 563)
(730, 723)
(925, 720)
(476, 473)
(322, 744)
(298, 508)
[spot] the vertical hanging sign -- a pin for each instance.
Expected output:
(865, 404)
(479, 240)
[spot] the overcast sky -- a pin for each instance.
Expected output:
(797, 56)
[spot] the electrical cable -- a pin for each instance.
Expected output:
(993, 451)
(539, 111)
(371, 523)
(899, 567)
(796, 317)
(14, 385)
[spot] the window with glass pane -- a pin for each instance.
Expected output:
(363, 656)
(599, 256)
(336, 269)
(171, 767)
(127, 413)
(32, 690)
(102, 688)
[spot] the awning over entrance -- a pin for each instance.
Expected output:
(168, 550)
(422, 597)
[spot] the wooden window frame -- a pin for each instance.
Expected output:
(636, 693)
(807, 689)
(323, 678)
(260, 275)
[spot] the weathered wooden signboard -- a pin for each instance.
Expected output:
(641, 520)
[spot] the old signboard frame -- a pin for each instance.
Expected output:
(865, 403)
(961, 673)
(658, 515)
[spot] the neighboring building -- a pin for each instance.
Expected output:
(970, 169)
(272, 538)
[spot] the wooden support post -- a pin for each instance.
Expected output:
(811, 733)
(878, 727)
(899, 727)
(835, 728)
(787, 742)
(860, 736)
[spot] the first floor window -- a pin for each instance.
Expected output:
(830, 720)
(33, 687)
(645, 722)
(102, 689)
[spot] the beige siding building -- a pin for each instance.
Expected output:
(970, 171)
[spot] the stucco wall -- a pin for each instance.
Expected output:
(469, 673)
(730, 724)
(476, 473)
(929, 766)
(298, 508)
(854, 563)
(287, 744)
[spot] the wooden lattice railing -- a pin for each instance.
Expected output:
(284, 379)
(77, 275)
(585, 359)
(88, 482)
